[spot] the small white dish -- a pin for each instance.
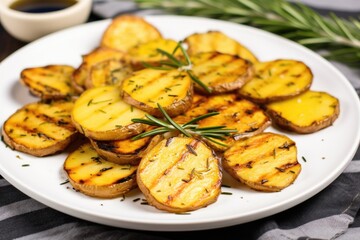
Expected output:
(30, 26)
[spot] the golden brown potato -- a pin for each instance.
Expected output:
(240, 114)
(277, 80)
(127, 31)
(308, 112)
(221, 72)
(96, 56)
(108, 72)
(147, 52)
(265, 162)
(96, 177)
(215, 41)
(41, 128)
(49, 82)
(100, 114)
(179, 175)
(172, 89)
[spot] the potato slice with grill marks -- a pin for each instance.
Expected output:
(240, 114)
(108, 72)
(308, 112)
(100, 114)
(125, 151)
(96, 177)
(277, 80)
(221, 72)
(41, 128)
(179, 175)
(265, 162)
(96, 56)
(127, 31)
(215, 41)
(49, 82)
(172, 89)
(147, 52)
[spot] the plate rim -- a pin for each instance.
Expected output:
(190, 225)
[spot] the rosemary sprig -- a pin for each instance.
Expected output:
(189, 129)
(339, 38)
(174, 63)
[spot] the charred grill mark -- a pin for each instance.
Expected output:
(238, 73)
(287, 145)
(65, 124)
(168, 141)
(260, 157)
(34, 132)
(277, 170)
(159, 94)
(125, 179)
(251, 129)
(115, 147)
(193, 174)
(214, 69)
(182, 158)
(265, 70)
(99, 174)
(150, 81)
(48, 88)
(209, 57)
(249, 111)
(96, 159)
(106, 145)
(248, 164)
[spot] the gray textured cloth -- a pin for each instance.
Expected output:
(324, 216)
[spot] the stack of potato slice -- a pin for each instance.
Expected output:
(176, 173)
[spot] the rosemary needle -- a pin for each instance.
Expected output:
(340, 38)
(174, 63)
(189, 129)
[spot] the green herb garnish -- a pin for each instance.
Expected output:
(180, 65)
(188, 129)
(340, 38)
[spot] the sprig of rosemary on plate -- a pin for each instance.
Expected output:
(173, 63)
(339, 38)
(189, 129)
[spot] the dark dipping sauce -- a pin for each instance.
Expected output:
(41, 6)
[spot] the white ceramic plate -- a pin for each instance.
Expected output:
(327, 152)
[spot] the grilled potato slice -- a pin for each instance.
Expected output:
(240, 114)
(41, 128)
(172, 89)
(98, 55)
(96, 177)
(49, 82)
(306, 113)
(124, 151)
(277, 80)
(147, 52)
(215, 41)
(100, 114)
(109, 72)
(265, 162)
(179, 175)
(221, 72)
(126, 31)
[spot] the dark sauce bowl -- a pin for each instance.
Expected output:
(28, 26)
